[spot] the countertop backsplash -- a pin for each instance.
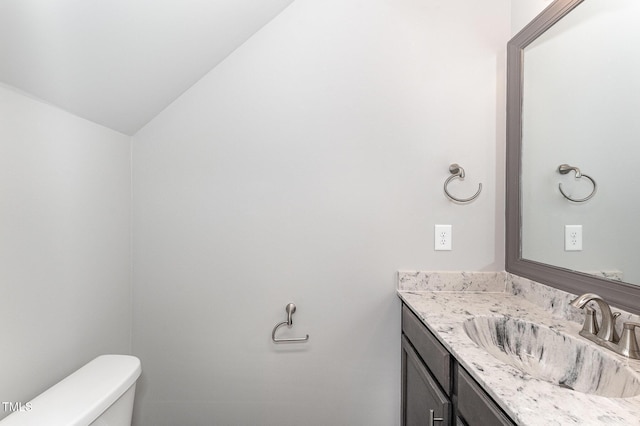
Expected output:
(548, 298)
(494, 282)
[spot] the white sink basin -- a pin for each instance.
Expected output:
(554, 357)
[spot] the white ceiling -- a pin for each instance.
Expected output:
(120, 62)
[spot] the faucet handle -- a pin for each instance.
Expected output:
(628, 344)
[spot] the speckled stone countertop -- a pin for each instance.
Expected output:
(528, 401)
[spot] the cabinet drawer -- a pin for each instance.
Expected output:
(428, 347)
(422, 399)
(475, 406)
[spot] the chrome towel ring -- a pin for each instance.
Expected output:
(563, 169)
(290, 308)
(458, 172)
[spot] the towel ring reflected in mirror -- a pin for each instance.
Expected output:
(563, 169)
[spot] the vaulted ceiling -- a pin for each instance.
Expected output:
(120, 62)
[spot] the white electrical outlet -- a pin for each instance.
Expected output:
(442, 237)
(573, 238)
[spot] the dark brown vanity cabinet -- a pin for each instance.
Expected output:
(435, 389)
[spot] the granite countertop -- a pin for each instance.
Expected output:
(528, 401)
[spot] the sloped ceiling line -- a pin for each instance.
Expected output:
(120, 62)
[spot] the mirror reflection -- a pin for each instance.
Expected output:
(581, 110)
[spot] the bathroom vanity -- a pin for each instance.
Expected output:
(446, 375)
(435, 388)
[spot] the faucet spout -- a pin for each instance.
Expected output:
(606, 329)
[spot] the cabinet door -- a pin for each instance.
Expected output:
(422, 398)
(475, 406)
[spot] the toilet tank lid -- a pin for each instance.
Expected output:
(82, 396)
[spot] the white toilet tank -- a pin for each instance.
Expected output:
(99, 394)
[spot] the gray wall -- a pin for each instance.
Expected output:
(308, 167)
(65, 257)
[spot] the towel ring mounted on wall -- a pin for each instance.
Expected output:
(563, 169)
(458, 172)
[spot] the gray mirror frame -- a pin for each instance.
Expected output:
(619, 294)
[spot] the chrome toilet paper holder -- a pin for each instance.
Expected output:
(290, 308)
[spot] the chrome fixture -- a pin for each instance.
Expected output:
(433, 419)
(458, 172)
(290, 309)
(590, 325)
(606, 327)
(605, 334)
(628, 343)
(563, 169)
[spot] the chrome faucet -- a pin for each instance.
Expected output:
(605, 334)
(606, 329)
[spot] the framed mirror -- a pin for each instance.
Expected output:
(573, 98)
